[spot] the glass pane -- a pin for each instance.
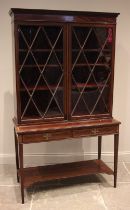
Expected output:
(91, 70)
(101, 106)
(41, 71)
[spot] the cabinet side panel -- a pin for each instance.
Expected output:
(14, 72)
(113, 66)
(15, 76)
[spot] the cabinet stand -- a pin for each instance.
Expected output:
(35, 134)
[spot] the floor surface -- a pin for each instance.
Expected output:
(87, 193)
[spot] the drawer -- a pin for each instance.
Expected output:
(95, 131)
(46, 136)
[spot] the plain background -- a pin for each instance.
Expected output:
(75, 149)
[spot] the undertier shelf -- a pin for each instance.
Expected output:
(62, 171)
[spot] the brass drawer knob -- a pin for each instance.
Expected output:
(45, 136)
(94, 131)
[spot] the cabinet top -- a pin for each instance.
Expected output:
(67, 16)
(60, 12)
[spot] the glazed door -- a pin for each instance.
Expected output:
(41, 72)
(91, 71)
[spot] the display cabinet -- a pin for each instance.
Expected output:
(63, 85)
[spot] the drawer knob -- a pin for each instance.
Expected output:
(45, 136)
(94, 131)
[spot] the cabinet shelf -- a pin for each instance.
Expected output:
(61, 50)
(40, 50)
(40, 88)
(91, 85)
(53, 87)
(62, 171)
(57, 65)
(91, 64)
(61, 65)
(40, 65)
(91, 50)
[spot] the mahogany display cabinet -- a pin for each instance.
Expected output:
(63, 78)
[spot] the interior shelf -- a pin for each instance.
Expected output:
(92, 50)
(40, 50)
(57, 65)
(62, 171)
(90, 64)
(53, 87)
(90, 85)
(61, 50)
(41, 65)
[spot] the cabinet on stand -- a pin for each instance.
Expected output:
(63, 76)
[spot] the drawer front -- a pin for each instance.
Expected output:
(46, 136)
(95, 131)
